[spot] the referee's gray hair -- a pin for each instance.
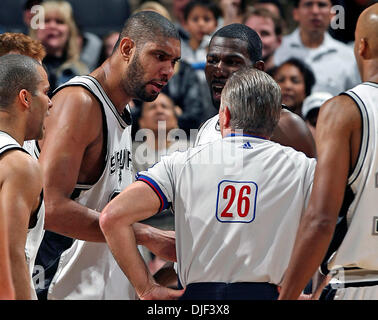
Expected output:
(254, 101)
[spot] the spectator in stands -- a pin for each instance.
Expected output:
(269, 28)
(108, 43)
(27, 14)
(60, 39)
(200, 21)
(186, 92)
(20, 43)
(311, 43)
(232, 11)
(157, 123)
(178, 15)
(154, 6)
(296, 81)
(274, 6)
(90, 46)
(311, 107)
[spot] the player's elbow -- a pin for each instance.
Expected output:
(109, 219)
(320, 222)
(54, 212)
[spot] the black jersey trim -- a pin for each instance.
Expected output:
(340, 230)
(123, 122)
(35, 216)
(104, 127)
(364, 136)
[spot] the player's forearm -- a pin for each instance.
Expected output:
(311, 245)
(20, 275)
(6, 289)
(160, 242)
(71, 219)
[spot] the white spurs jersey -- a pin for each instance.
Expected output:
(87, 270)
(359, 236)
(237, 204)
(35, 231)
(208, 132)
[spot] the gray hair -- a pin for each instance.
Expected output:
(254, 101)
(17, 72)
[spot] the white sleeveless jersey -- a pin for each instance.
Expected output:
(359, 247)
(208, 132)
(35, 232)
(87, 270)
(237, 202)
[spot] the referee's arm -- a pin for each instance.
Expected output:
(137, 202)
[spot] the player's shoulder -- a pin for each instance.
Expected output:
(290, 117)
(20, 165)
(77, 95)
(76, 106)
(339, 109)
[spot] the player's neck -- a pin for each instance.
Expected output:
(109, 78)
(15, 130)
(370, 71)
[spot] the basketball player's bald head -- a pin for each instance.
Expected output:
(366, 37)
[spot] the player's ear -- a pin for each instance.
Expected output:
(24, 97)
(260, 65)
(363, 49)
(126, 48)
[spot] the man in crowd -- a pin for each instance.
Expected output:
(332, 61)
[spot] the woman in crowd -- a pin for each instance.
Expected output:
(60, 39)
(296, 80)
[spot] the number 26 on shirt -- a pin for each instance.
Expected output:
(236, 201)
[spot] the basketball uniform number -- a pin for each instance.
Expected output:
(242, 199)
(236, 201)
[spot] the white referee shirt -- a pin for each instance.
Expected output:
(237, 203)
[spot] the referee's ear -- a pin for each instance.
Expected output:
(224, 118)
(227, 117)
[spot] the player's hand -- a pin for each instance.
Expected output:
(161, 243)
(305, 297)
(157, 292)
